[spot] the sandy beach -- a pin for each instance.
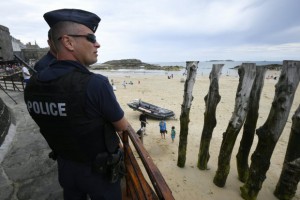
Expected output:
(190, 182)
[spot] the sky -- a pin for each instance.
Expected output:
(173, 30)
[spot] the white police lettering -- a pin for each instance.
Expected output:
(47, 108)
(53, 109)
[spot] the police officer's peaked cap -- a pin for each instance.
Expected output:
(86, 18)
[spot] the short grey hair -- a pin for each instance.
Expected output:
(63, 28)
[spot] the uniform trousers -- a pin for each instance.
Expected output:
(79, 181)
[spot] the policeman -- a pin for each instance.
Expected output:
(47, 59)
(72, 106)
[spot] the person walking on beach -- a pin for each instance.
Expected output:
(163, 129)
(143, 120)
(141, 133)
(173, 133)
(77, 111)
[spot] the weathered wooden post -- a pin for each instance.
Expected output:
(191, 67)
(270, 131)
(247, 76)
(250, 124)
(290, 174)
(211, 101)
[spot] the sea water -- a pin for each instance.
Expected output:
(204, 68)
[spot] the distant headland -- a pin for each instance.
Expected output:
(133, 64)
(138, 64)
(276, 67)
(221, 60)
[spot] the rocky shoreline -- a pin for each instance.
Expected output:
(132, 64)
(276, 67)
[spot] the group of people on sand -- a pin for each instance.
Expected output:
(162, 128)
(271, 77)
(125, 83)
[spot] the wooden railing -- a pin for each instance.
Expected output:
(137, 186)
(12, 82)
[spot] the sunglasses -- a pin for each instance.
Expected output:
(90, 37)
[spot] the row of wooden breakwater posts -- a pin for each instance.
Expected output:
(246, 114)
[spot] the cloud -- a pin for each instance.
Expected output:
(170, 30)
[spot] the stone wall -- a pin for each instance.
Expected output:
(6, 50)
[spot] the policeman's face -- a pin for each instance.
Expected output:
(85, 50)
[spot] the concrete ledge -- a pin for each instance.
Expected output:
(26, 172)
(7, 142)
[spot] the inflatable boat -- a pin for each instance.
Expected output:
(151, 110)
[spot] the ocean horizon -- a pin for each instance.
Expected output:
(204, 68)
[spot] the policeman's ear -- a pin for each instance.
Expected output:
(68, 42)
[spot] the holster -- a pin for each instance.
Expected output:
(110, 165)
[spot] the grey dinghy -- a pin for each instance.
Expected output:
(151, 110)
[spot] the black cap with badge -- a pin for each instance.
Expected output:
(86, 18)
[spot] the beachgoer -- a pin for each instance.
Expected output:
(124, 84)
(141, 133)
(143, 120)
(173, 133)
(26, 74)
(163, 129)
(9, 70)
(77, 111)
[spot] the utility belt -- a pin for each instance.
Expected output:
(111, 166)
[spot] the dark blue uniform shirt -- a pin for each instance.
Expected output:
(100, 98)
(44, 62)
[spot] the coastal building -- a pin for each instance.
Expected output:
(32, 53)
(10, 46)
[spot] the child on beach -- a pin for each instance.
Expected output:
(173, 133)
